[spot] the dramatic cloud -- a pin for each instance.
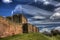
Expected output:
(31, 10)
(45, 30)
(44, 22)
(46, 2)
(18, 9)
(58, 4)
(57, 28)
(35, 0)
(57, 9)
(56, 15)
(38, 17)
(37, 14)
(7, 1)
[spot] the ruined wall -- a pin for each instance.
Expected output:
(17, 24)
(37, 29)
(24, 20)
(18, 18)
(31, 28)
(9, 29)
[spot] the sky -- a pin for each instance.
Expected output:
(42, 13)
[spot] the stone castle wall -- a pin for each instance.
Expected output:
(9, 29)
(9, 26)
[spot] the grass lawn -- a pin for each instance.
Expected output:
(31, 36)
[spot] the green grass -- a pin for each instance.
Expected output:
(58, 37)
(55, 37)
(31, 36)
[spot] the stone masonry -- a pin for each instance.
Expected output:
(16, 24)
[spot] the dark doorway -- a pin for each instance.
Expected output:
(25, 28)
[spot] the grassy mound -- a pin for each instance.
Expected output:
(29, 36)
(55, 37)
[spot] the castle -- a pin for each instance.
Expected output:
(16, 24)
